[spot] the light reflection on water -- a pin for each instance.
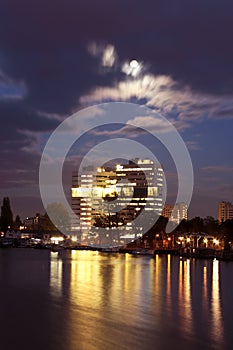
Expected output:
(216, 320)
(94, 301)
(55, 275)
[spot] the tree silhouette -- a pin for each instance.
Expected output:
(6, 215)
(17, 223)
(59, 217)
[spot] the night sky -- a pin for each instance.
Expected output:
(58, 57)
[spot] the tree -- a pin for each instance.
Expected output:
(108, 198)
(59, 217)
(196, 224)
(226, 229)
(6, 215)
(160, 223)
(101, 220)
(183, 227)
(17, 223)
(211, 225)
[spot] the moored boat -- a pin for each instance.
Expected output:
(143, 251)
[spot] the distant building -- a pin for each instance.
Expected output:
(38, 224)
(225, 211)
(175, 213)
(167, 211)
(32, 223)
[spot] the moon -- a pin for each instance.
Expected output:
(133, 64)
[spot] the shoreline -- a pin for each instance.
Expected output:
(197, 253)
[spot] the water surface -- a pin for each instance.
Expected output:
(75, 300)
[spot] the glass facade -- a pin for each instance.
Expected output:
(113, 199)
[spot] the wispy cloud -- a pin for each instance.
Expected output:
(143, 87)
(180, 104)
(181, 107)
(218, 169)
(51, 116)
(151, 123)
(193, 145)
(138, 126)
(109, 56)
(34, 141)
(11, 89)
(106, 53)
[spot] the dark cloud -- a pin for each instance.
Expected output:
(43, 52)
(44, 42)
(16, 115)
(19, 143)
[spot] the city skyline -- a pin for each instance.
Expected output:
(59, 58)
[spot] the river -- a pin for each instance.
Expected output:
(87, 300)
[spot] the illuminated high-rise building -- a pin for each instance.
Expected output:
(133, 187)
(89, 189)
(143, 181)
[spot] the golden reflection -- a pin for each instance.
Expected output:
(180, 281)
(103, 288)
(169, 276)
(157, 273)
(126, 274)
(157, 291)
(215, 304)
(85, 281)
(187, 294)
(169, 306)
(55, 275)
(185, 301)
(123, 279)
(205, 290)
(152, 274)
(107, 290)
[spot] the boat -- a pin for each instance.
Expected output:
(109, 249)
(143, 252)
